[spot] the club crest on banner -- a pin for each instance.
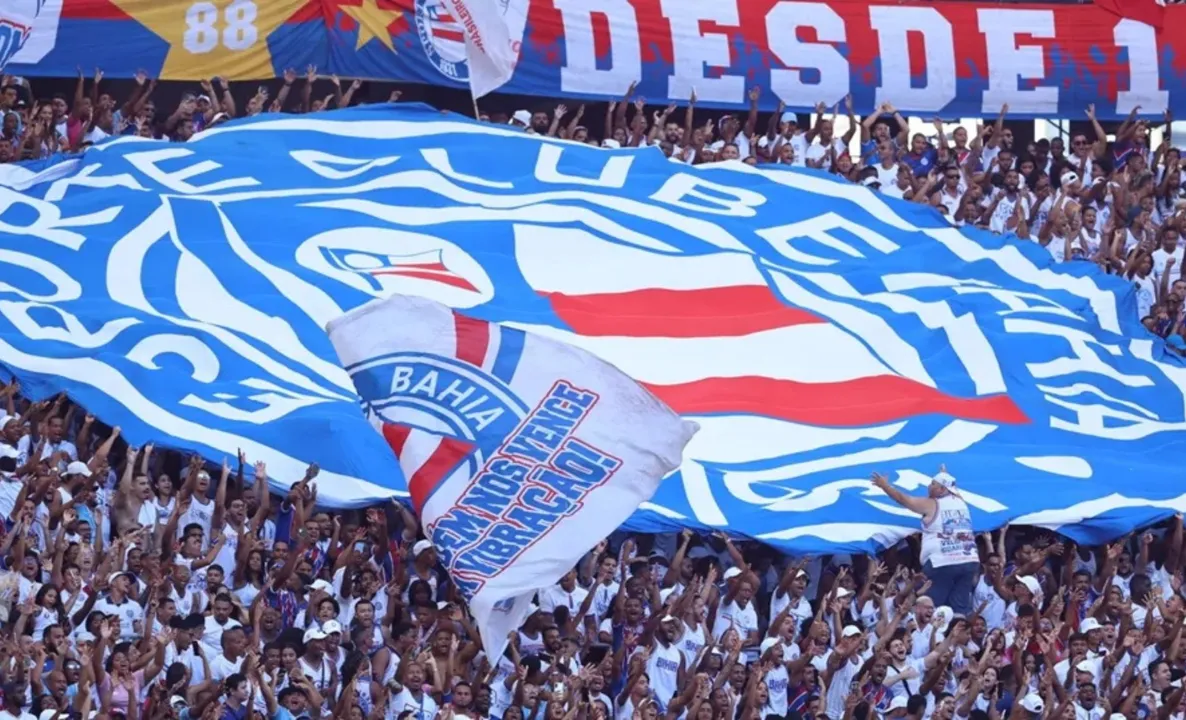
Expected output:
(28, 29)
(442, 35)
(814, 331)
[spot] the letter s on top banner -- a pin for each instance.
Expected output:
(953, 59)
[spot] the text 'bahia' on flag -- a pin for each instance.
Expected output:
(521, 452)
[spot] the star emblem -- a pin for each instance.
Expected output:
(225, 38)
(374, 22)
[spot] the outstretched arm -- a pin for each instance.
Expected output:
(920, 505)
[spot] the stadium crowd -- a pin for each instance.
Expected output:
(142, 584)
(1117, 203)
(147, 585)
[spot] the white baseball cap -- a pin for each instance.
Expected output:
(420, 546)
(315, 633)
(322, 585)
(78, 468)
(331, 626)
(1089, 624)
(850, 631)
(1031, 584)
(767, 644)
(522, 117)
(1033, 703)
(731, 573)
(944, 480)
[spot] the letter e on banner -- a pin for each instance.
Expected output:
(693, 49)
(1009, 62)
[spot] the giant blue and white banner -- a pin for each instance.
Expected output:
(815, 331)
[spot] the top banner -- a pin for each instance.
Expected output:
(951, 59)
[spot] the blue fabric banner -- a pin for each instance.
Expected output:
(816, 331)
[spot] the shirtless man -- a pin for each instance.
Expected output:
(133, 506)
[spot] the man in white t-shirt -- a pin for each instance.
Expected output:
(566, 593)
(1171, 247)
(14, 701)
(121, 605)
(216, 624)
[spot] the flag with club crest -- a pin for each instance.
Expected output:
(521, 452)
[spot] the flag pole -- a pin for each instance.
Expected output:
(477, 114)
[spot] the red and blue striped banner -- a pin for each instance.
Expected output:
(953, 59)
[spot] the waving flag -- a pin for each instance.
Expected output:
(520, 452)
(489, 50)
(816, 332)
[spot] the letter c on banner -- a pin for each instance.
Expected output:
(782, 23)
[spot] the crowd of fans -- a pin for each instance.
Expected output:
(147, 585)
(1115, 203)
(143, 584)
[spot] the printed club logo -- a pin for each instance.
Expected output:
(439, 394)
(443, 37)
(383, 262)
(28, 25)
(12, 39)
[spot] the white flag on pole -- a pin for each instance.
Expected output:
(490, 51)
(520, 452)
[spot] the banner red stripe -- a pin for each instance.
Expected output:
(396, 436)
(445, 278)
(703, 312)
(473, 338)
(439, 465)
(1146, 11)
(853, 403)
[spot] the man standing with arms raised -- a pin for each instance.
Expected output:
(948, 553)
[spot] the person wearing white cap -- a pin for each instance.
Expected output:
(737, 609)
(315, 665)
(520, 119)
(844, 665)
(1031, 703)
(1077, 649)
(200, 512)
(423, 568)
(948, 553)
(790, 595)
(665, 664)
